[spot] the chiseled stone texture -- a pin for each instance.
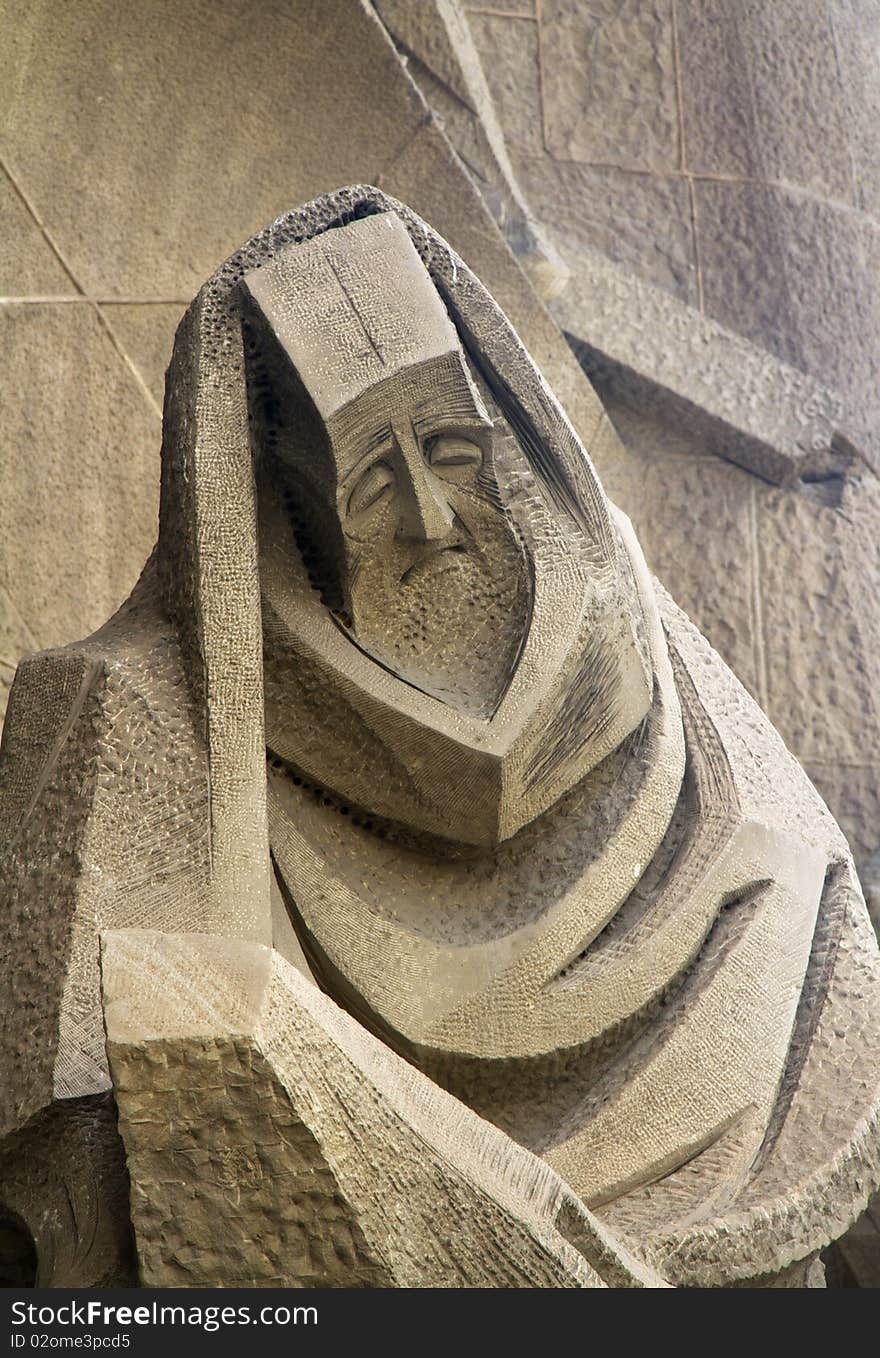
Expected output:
(762, 93)
(734, 398)
(520, 8)
(337, 1158)
(856, 28)
(755, 208)
(511, 64)
(799, 276)
(608, 79)
(692, 515)
(615, 212)
(78, 510)
(780, 584)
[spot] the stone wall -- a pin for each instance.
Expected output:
(725, 152)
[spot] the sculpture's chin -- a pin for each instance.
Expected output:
(453, 624)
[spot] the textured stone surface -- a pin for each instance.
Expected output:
(146, 333)
(796, 275)
(152, 217)
(28, 264)
(693, 516)
(511, 62)
(238, 88)
(419, 176)
(608, 81)
(667, 943)
(856, 30)
(78, 513)
(763, 96)
(852, 791)
(609, 210)
(732, 397)
(524, 9)
(821, 632)
(331, 1161)
(438, 48)
(759, 227)
(820, 243)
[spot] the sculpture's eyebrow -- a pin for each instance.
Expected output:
(447, 418)
(370, 440)
(451, 414)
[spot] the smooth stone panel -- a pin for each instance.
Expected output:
(78, 514)
(146, 333)
(187, 127)
(28, 264)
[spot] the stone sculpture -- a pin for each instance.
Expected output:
(398, 890)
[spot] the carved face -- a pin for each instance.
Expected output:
(437, 581)
(451, 624)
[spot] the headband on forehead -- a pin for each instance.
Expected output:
(351, 308)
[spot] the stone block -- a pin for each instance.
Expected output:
(146, 332)
(79, 504)
(639, 344)
(692, 516)
(856, 29)
(796, 275)
(186, 128)
(822, 621)
(608, 80)
(606, 209)
(762, 96)
(508, 48)
(28, 264)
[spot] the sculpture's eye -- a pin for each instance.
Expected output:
(451, 450)
(373, 487)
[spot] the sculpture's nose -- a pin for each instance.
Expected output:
(425, 513)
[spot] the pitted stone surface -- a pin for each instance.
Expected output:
(731, 396)
(763, 93)
(608, 81)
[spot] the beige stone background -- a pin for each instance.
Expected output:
(728, 152)
(722, 152)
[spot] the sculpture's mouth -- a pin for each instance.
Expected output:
(433, 558)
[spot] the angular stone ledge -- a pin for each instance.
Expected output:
(638, 344)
